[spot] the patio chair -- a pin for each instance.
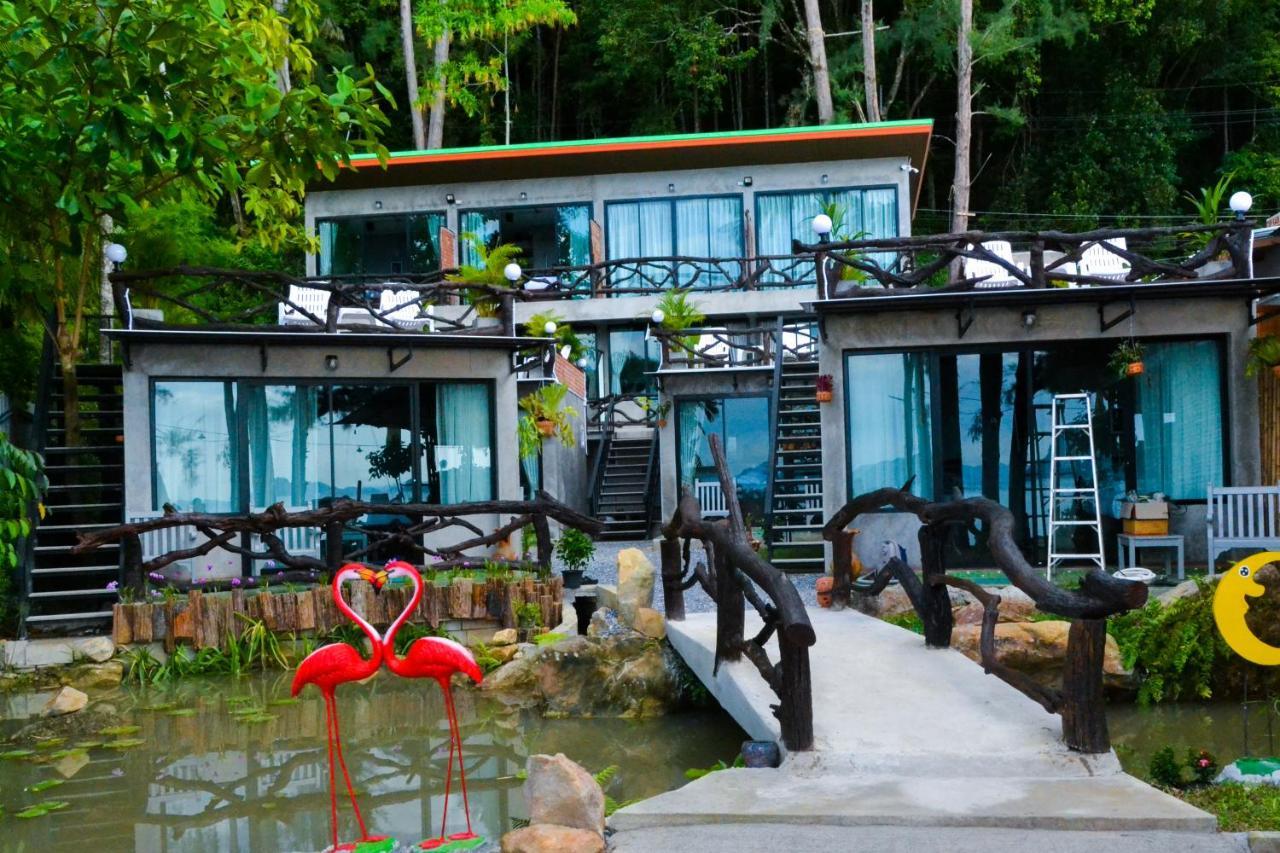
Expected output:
(399, 308)
(711, 499)
(1100, 262)
(997, 276)
(311, 299)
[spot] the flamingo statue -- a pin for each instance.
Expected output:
(437, 658)
(334, 664)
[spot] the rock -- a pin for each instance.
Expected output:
(68, 700)
(605, 623)
(546, 838)
(505, 637)
(558, 791)
(892, 601)
(72, 763)
(607, 596)
(621, 675)
(1015, 606)
(96, 649)
(1038, 649)
(89, 676)
(502, 654)
(635, 582)
(1186, 589)
(650, 622)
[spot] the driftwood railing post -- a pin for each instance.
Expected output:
(542, 531)
(841, 569)
(731, 606)
(1084, 717)
(333, 545)
(131, 562)
(795, 713)
(672, 588)
(1037, 262)
(936, 600)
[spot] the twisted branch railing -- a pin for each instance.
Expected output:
(1080, 701)
(738, 575)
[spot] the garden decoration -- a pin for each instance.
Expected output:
(1230, 605)
(326, 668)
(437, 658)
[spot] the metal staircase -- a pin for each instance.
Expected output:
(67, 593)
(1073, 483)
(623, 493)
(793, 502)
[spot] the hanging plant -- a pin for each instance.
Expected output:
(659, 410)
(486, 276)
(1264, 353)
(825, 388)
(563, 334)
(1126, 359)
(545, 408)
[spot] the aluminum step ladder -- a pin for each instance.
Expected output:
(1065, 458)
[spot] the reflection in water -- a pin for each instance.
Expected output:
(209, 781)
(1138, 733)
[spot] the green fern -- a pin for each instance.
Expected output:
(487, 275)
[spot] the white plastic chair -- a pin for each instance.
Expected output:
(311, 299)
(998, 277)
(399, 308)
(1098, 261)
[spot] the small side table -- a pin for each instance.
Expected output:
(1135, 543)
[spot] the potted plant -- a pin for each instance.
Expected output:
(676, 312)
(545, 408)
(575, 550)
(660, 411)
(826, 388)
(528, 621)
(1126, 359)
(485, 278)
(1264, 352)
(561, 332)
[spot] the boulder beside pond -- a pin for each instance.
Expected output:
(1038, 649)
(558, 791)
(68, 700)
(547, 838)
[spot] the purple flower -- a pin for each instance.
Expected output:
(235, 581)
(208, 567)
(113, 585)
(271, 564)
(155, 576)
(155, 593)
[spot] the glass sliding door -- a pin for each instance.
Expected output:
(1177, 419)
(387, 244)
(633, 358)
(288, 445)
(860, 214)
(372, 442)
(742, 423)
(548, 236)
(890, 418)
(456, 420)
(195, 446)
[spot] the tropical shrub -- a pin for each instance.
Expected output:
(575, 549)
(485, 276)
(1264, 354)
(1173, 649)
(547, 405)
(22, 488)
(564, 335)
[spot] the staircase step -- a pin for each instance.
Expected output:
(87, 448)
(73, 570)
(73, 593)
(70, 617)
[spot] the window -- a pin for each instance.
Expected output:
(633, 357)
(699, 227)
(456, 425)
(548, 236)
(1177, 419)
(389, 244)
(288, 445)
(194, 446)
(861, 214)
(743, 426)
(890, 421)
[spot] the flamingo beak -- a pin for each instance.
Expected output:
(378, 579)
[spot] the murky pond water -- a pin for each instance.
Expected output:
(204, 778)
(1138, 733)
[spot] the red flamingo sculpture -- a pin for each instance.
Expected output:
(334, 664)
(437, 658)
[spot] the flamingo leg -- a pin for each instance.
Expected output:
(441, 840)
(333, 782)
(342, 762)
(462, 767)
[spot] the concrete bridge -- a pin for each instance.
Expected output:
(914, 749)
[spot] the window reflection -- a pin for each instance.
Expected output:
(194, 424)
(743, 426)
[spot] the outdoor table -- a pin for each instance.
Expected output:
(1135, 543)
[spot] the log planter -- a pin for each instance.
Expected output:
(206, 620)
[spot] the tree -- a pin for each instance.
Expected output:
(472, 41)
(818, 61)
(411, 75)
(869, 61)
(964, 118)
(107, 106)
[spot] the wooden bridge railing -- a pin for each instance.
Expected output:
(406, 539)
(734, 575)
(1080, 701)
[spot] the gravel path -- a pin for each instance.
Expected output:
(604, 568)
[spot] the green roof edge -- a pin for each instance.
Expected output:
(670, 137)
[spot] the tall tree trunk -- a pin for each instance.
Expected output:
(284, 80)
(411, 73)
(818, 60)
(105, 302)
(964, 119)
(554, 130)
(869, 61)
(435, 123)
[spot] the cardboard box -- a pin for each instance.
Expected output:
(1146, 526)
(1145, 510)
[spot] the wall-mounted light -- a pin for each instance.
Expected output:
(746, 182)
(377, 205)
(826, 179)
(524, 196)
(450, 199)
(1029, 318)
(330, 362)
(671, 188)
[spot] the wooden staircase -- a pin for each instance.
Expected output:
(624, 496)
(67, 593)
(795, 505)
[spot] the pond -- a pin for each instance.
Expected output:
(1138, 733)
(232, 764)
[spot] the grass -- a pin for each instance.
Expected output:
(1239, 808)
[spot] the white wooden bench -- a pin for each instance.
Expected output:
(1242, 517)
(711, 499)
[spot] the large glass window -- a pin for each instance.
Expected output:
(457, 429)
(633, 358)
(699, 227)
(389, 244)
(890, 421)
(860, 214)
(1177, 419)
(288, 445)
(743, 426)
(548, 236)
(372, 453)
(194, 442)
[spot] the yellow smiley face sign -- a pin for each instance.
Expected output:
(1230, 606)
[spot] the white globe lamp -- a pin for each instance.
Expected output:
(1240, 202)
(115, 253)
(549, 328)
(822, 225)
(512, 272)
(658, 316)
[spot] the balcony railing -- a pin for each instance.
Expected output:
(737, 347)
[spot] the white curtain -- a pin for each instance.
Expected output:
(463, 441)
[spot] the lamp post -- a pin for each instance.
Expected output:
(822, 226)
(1242, 252)
(113, 255)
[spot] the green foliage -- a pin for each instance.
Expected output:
(484, 658)
(547, 404)
(564, 336)
(575, 548)
(909, 620)
(22, 488)
(1125, 353)
(1239, 808)
(679, 312)
(1211, 201)
(698, 772)
(1165, 768)
(529, 615)
(411, 632)
(1174, 649)
(1264, 353)
(549, 639)
(486, 277)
